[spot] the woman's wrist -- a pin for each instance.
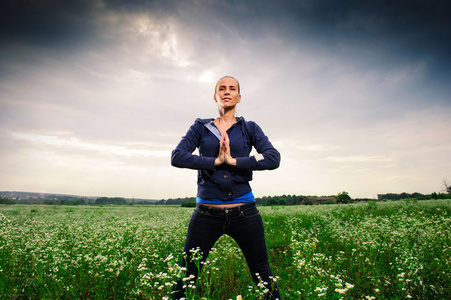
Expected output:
(231, 161)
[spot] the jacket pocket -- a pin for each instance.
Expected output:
(206, 177)
(242, 176)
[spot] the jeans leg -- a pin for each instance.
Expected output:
(247, 230)
(203, 232)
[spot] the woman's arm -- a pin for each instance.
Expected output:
(268, 158)
(182, 156)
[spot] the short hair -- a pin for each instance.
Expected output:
(216, 87)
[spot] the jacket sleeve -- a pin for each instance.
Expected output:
(268, 158)
(182, 156)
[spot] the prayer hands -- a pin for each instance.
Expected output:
(224, 152)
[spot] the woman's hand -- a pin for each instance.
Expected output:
(224, 152)
(227, 156)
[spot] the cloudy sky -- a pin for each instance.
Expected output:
(94, 95)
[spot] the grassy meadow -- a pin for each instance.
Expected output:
(383, 250)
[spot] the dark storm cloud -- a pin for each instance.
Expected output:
(416, 24)
(54, 23)
(371, 33)
(46, 23)
(395, 31)
(411, 27)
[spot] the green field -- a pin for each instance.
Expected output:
(383, 250)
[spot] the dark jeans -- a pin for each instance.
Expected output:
(244, 224)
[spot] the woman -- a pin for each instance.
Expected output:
(225, 203)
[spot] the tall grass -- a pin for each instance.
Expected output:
(392, 250)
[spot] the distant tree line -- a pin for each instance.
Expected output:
(294, 200)
(266, 200)
(5, 200)
(417, 196)
(441, 195)
(70, 201)
(284, 200)
(177, 201)
(342, 197)
(67, 201)
(64, 201)
(110, 201)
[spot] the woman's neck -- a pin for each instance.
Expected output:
(227, 117)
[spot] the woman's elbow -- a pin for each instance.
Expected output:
(175, 159)
(275, 161)
(274, 165)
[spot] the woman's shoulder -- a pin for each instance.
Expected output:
(203, 121)
(250, 125)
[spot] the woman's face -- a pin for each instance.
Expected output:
(227, 94)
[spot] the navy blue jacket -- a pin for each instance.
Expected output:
(224, 182)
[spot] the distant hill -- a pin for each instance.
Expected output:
(27, 197)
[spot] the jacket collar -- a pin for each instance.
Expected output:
(208, 120)
(208, 123)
